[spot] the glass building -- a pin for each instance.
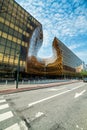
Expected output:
(66, 62)
(16, 29)
(21, 36)
(63, 63)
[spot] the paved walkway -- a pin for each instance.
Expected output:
(5, 89)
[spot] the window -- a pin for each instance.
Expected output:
(12, 53)
(5, 29)
(10, 31)
(6, 58)
(13, 45)
(1, 19)
(14, 39)
(1, 26)
(7, 50)
(8, 43)
(11, 61)
(1, 57)
(2, 48)
(10, 37)
(4, 35)
(11, 25)
(3, 41)
(6, 22)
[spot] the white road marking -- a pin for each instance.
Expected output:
(4, 106)
(77, 126)
(45, 99)
(39, 114)
(13, 127)
(5, 116)
(55, 89)
(23, 125)
(1, 97)
(1, 101)
(79, 94)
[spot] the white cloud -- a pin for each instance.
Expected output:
(75, 46)
(61, 19)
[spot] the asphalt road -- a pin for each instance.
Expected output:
(56, 108)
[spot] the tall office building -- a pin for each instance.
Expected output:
(17, 28)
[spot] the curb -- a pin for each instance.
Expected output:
(9, 91)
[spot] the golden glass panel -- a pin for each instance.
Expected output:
(16, 61)
(14, 39)
(2, 20)
(16, 28)
(4, 35)
(20, 63)
(19, 41)
(23, 63)
(28, 25)
(27, 34)
(31, 28)
(1, 57)
(11, 61)
(26, 45)
(6, 58)
(6, 22)
(9, 37)
(23, 43)
(24, 32)
(11, 25)
(0, 33)
(20, 30)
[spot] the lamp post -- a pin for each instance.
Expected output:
(18, 68)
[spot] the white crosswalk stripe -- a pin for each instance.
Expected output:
(3, 100)
(4, 106)
(13, 127)
(5, 115)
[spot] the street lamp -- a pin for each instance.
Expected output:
(18, 68)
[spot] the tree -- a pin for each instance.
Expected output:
(84, 73)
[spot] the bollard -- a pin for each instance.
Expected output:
(6, 82)
(14, 82)
(28, 81)
(22, 81)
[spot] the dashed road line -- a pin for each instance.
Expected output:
(55, 89)
(53, 96)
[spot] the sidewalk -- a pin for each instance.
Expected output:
(7, 89)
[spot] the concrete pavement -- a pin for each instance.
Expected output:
(5, 89)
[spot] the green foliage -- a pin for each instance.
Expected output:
(84, 73)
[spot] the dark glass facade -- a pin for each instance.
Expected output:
(16, 28)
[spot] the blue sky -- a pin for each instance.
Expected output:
(65, 19)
